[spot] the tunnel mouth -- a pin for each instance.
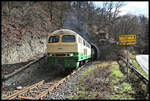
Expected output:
(96, 53)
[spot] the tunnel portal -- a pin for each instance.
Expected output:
(95, 52)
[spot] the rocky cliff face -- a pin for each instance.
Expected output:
(25, 50)
(24, 31)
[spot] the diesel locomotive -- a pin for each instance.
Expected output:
(67, 48)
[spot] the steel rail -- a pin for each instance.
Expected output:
(43, 93)
(23, 91)
(22, 68)
(49, 90)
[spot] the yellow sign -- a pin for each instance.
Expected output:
(127, 39)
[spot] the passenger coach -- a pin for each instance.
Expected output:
(67, 48)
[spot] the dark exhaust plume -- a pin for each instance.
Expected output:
(72, 22)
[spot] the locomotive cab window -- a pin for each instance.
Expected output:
(68, 38)
(83, 42)
(80, 40)
(53, 39)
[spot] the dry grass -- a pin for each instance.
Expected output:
(97, 78)
(106, 81)
(97, 82)
(94, 84)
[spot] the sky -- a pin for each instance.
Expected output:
(133, 7)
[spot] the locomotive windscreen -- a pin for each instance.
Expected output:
(53, 39)
(68, 38)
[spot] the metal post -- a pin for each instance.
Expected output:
(127, 61)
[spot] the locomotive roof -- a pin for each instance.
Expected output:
(67, 31)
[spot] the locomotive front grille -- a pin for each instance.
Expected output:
(60, 54)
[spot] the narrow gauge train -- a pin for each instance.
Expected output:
(67, 48)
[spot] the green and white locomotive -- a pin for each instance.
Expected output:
(68, 48)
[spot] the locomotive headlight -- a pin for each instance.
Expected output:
(50, 54)
(70, 54)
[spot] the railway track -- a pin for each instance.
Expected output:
(36, 59)
(40, 89)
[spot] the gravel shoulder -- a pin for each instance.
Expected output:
(67, 87)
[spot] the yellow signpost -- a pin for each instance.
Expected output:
(127, 39)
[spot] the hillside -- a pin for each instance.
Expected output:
(25, 26)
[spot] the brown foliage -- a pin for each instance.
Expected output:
(97, 81)
(18, 17)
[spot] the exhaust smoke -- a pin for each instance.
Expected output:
(72, 21)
